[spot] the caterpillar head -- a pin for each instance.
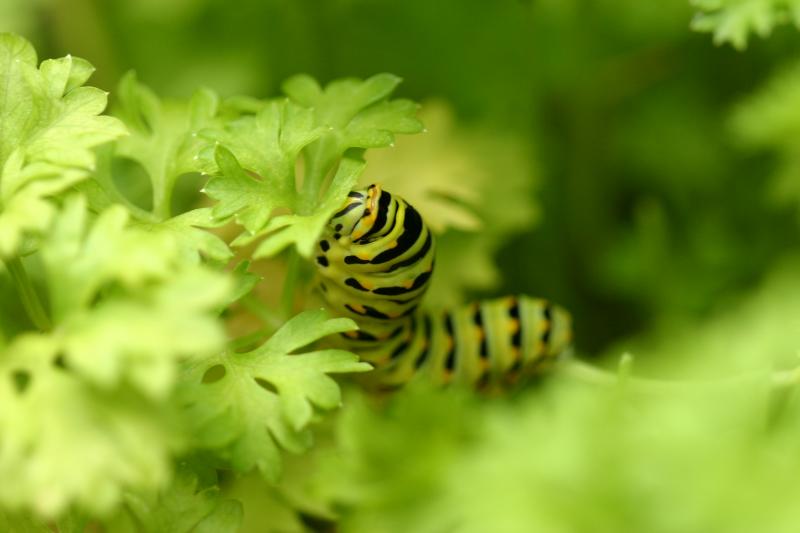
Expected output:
(359, 213)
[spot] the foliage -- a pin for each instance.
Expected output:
(186, 505)
(544, 463)
(265, 397)
(733, 20)
(104, 387)
(156, 373)
(49, 124)
(326, 123)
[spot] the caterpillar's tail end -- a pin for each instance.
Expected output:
(561, 332)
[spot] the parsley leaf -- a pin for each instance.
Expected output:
(164, 135)
(125, 303)
(187, 505)
(258, 155)
(50, 123)
(732, 21)
(244, 405)
(164, 140)
(64, 443)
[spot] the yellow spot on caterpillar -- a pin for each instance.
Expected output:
(359, 308)
(513, 326)
(374, 192)
(407, 284)
(479, 333)
(367, 285)
(391, 245)
(515, 353)
(364, 256)
(483, 365)
(450, 343)
(544, 326)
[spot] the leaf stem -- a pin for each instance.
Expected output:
(266, 314)
(289, 283)
(162, 198)
(587, 373)
(30, 299)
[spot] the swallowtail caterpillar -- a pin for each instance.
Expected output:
(375, 261)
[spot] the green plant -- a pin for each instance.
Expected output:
(120, 367)
(156, 370)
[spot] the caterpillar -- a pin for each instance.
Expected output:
(375, 260)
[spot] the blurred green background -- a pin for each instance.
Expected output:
(650, 207)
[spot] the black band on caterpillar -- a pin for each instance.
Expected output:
(375, 261)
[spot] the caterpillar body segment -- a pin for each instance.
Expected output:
(374, 263)
(492, 342)
(375, 259)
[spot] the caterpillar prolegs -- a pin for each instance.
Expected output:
(375, 261)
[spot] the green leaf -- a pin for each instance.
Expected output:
(355, 114)
(267, 145)
(243, 405)
(732, 21)
(241, 195)
(50, 123)
(125, 302)
(304, 231)
(185, 506)
(255, 177)
(351, 106)
(164, 135)
(188, 231)
(66, 443)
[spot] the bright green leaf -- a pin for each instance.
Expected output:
(185, 506)
(64, 443)
(50, 124)
(164, 135)
(732, 21)
(125, 302)
(188, 231)
(244, 405)
(256, 161)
